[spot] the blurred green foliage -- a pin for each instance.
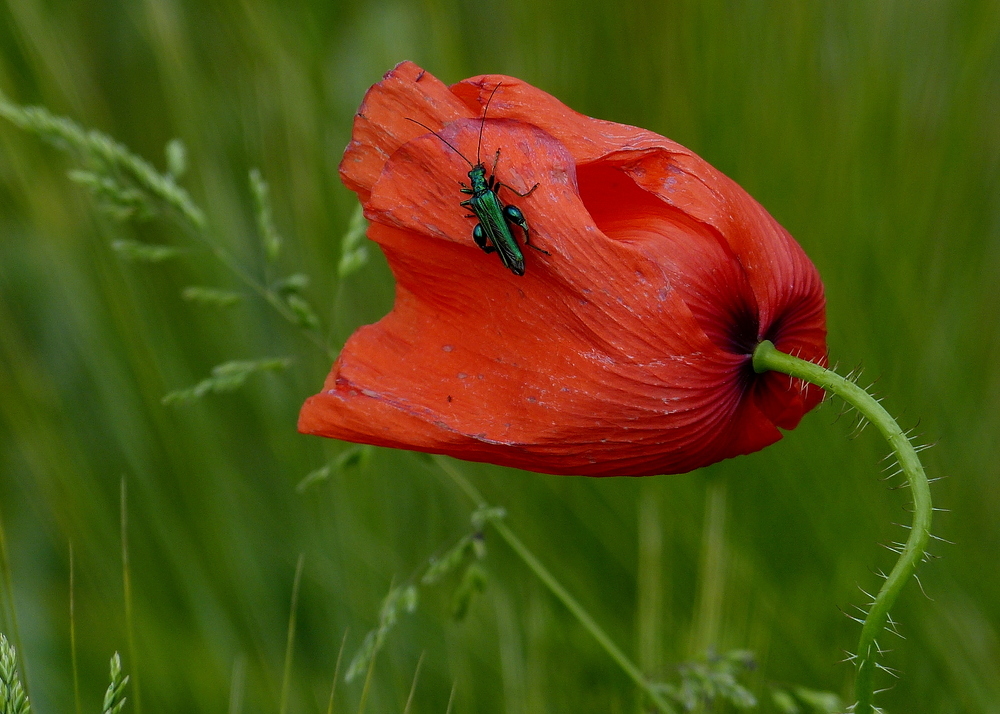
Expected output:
(868, 129)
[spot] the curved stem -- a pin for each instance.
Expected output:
(557, 589)
(766, 357)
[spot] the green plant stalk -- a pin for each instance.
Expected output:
(336, 672)
(451, 697)
(72, 634)
(368, 684)
(413, 687)
(127, 593)
(286, 677)
(237, 684)
(556, 588)
(767, 358)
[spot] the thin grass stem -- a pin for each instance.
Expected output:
(413, 687)
(286, 677)
(451, 697)
(336, 671)
(706, 628)
(368, 684)
(557, 589)
(127, 591)
(650, 590)
(237, 684)
(72, 632)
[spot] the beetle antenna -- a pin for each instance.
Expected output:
(483, 122)
(442, 139)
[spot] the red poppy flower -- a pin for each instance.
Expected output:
(625, 351)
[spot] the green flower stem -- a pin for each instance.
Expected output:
(767, 358)
(556, 588)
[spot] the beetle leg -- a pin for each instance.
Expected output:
(514, 215)
(522, 195)
(479, 235)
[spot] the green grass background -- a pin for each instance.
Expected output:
(869, 129)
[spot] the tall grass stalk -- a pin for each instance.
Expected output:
(336, 671)
(451, 697)
(649, 579)
(368, 683)
(72, 631)
(413, 686)
(557, 589)
(127, 591)
(237, 684)
(286, 677)
(707, 626)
